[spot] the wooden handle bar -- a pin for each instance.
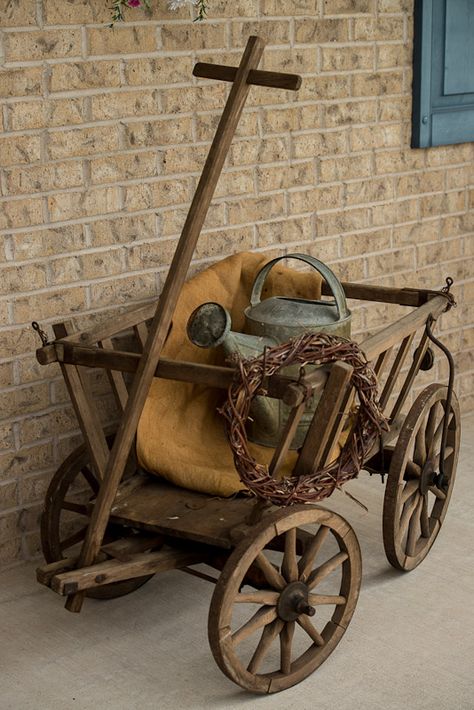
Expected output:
(277, 80)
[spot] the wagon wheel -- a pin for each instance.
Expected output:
(414, 507)
(264, 639)
(66, 513)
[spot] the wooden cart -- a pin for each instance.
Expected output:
(107, 526)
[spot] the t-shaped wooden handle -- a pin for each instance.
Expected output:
(276, 80)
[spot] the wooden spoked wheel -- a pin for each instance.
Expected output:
(414, 506)
(285, 598)
(66, 513)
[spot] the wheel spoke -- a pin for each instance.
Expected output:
(437, 492)
(438, 433)
(414, 529)
(269, 634)
(412, 469)
(316, 599)
(407, 515)
(419, 455)
(271, 574)
(262, 617)
(260, 597)
(310, 629)
(286, 641)
(289, 567)
(410, 488)
(424, 517)
(91, 479)
(74, 538)
(306, 562)
(321, 572)
(75, 507)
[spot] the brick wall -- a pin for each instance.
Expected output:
(103, 137)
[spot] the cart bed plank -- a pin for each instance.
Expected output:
(158, 506)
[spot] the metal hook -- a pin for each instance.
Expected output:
(44, 338)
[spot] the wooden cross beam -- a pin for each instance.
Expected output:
(242, 77)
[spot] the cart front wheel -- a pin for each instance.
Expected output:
(414, 505)
(285, 598)
(66, 514)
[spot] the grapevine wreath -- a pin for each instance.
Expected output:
(307, 349)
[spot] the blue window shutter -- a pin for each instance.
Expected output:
(443, 73)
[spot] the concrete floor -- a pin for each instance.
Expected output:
(410, 645)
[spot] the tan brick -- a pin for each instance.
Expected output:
(267, 150)
(160, 132)
(122, 40)
(378, 136)
(185, 99)
(399, 161)
(87, 266)
(9, 494)
(415, 233)
(362, 244)
(82, 141)
(123, 290)
(342, 221)
(293, 60)
(74, 205)
(237, 182)
(122, 229)
(315, 199)
(133, 103)
(43, 426)
(44, 113)
(346, 168)
(172, 220)
(355, 57)
(6, 376)
(21, 213)
(377, 84)
(41, 178)
(256, 209)
(437, 204)
(24, 400)
(43, 44)
(394, 109)
(20, 82)
(119, 168)
(48, 242)
(438, 252)
(158, 70)
(390, 262)
(458, 177)
(347, 7)
(290, 118)
(243, 8)
(19, 149)
(58, 12)
(380, 28)
(318, 31)
(17, 279)
(335, 86)
(158, 194)
(196, 36)
(85, 75)
(49, 305)
(6, 436)
(418, 183)
(391, 56)
(396, 212)
(18, 14)
(349, 112)
(282, 177)
(298, 7)
(284, 231)
(317, 144)
(273, 31)
(367, 191)
(206, 125)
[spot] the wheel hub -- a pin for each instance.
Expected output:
(427, 478)
(293, 602)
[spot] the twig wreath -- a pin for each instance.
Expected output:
(308, 349)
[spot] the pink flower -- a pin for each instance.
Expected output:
(134, 3)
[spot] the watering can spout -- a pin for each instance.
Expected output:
(210, 326)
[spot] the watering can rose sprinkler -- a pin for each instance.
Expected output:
(268, 323)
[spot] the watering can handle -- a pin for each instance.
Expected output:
(330, 278)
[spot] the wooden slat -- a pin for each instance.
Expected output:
(394, 333)
(140, 564)
(276, 80)
(86, 412)
(398, 363)
(383, 294)
(141, 334)
(116, 380)
(410, 378)
(325, 419)
(286, 438)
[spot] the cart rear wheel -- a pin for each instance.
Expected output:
(414, 507)
(66, 515)
(273, 636)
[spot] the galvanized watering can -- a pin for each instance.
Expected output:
(271, 322)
